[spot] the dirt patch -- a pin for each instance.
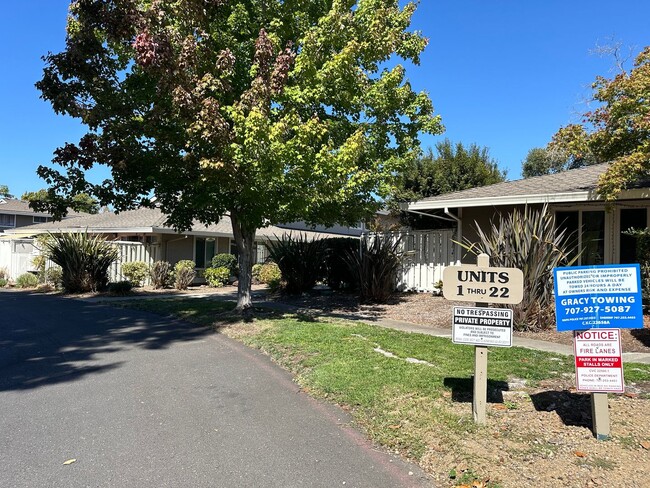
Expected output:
(435, 311)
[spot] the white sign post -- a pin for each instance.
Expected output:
(482, 284)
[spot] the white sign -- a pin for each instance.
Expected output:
(599, 365)
(467, 283)
(592, 280)
(482, 326)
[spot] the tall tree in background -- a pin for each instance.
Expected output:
(4, 192)
(617, 131)
(453, 167)
(270, 110)
(81, 202)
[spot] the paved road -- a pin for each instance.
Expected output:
(142, 401)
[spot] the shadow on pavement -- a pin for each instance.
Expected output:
(46, 340)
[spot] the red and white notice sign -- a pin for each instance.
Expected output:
(599, 365)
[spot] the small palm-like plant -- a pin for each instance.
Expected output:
(84, 260)
(375, 265)
(528, 239)
(300, 260)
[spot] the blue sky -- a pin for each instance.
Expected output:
(503, 74)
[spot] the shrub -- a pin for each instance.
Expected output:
(27, 280)
(337, 273)
(375, 266)
(529, 241)
(161, 274)
(53, 276)
(300, 260)
(271, 275)
(256, 272)
(4, 274)
(136, 272)
(120, 287)
(3, 282)
(184, 272)
(217, 277)
(84, 261)
(228, 261)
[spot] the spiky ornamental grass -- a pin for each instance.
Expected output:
(375, 264)
(528, 240)
(84, 260)
(301, 261)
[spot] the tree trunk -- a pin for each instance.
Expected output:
(245, 240)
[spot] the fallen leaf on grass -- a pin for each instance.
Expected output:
(69, 461)
(645, 445)
(500, 406)
(394, 427)
(580, 454)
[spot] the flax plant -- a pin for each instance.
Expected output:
(527, 239)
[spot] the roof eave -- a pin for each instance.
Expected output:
(581, 196)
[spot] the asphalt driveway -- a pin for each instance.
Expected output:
(144, 401)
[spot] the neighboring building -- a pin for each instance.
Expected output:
(571, 196)
(17, 213)
(151, 240)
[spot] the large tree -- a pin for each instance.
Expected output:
(616, 131)
(266, 110)
(452, 167)
(4, 192)
(81, 202)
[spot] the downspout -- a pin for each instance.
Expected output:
(459, 224)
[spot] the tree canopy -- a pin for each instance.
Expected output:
(81, 202)
(269, 110)
(453, 167)
(4, 192)
(616, 131)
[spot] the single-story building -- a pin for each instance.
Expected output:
(141, 235)
(16, 213)
(572, 197)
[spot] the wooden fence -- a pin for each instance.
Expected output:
(425, 254)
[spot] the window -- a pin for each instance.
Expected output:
(586, 233)
(39, 220)
(631, 218)
(260, 252)
(204, 251)
(7, 220)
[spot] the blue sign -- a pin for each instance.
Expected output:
(591, 297)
